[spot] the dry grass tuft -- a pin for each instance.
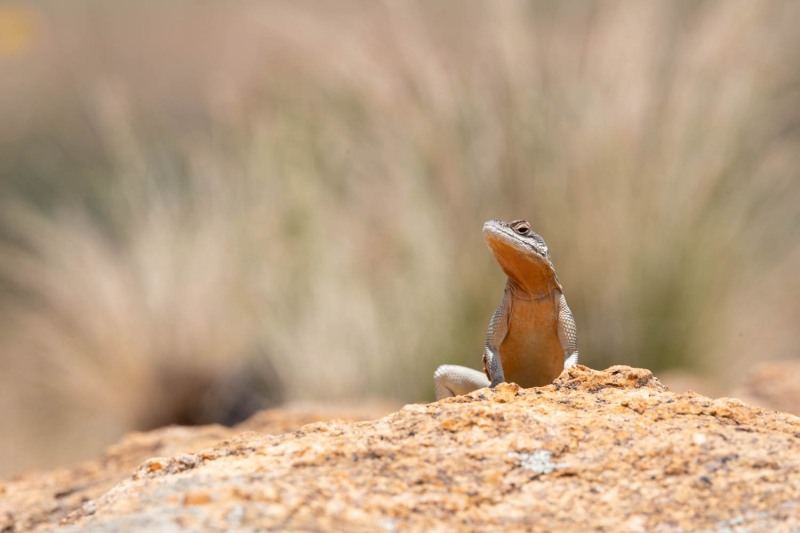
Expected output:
(283, 200)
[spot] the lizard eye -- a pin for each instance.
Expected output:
(523, 229)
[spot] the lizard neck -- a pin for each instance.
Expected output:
(528, 279)
(519, 293)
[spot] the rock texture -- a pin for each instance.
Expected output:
(773, 385)
(611, 450)
(43, 498)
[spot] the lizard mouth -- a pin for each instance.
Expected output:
(522, 255)
(499, 233)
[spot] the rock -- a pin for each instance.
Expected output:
(43, 498)
(773, 385)
(609, 450)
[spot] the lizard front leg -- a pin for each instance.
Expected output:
(498, 328)
(567, 331)
(454, 380)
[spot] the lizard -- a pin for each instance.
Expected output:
(532, 336)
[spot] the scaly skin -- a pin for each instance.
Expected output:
(532, 336)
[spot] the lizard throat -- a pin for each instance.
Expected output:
(524, 295)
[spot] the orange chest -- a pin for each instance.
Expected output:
(531, 353)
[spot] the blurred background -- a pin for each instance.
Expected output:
(207, 208)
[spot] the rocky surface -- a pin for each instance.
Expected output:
(43, 498)
(611, 450)
(773, 385)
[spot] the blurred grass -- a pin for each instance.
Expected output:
(206, 208)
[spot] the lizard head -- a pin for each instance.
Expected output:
(522, 254)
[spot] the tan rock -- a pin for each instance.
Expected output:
(42, 498)
(612, 450)
(773, 385)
